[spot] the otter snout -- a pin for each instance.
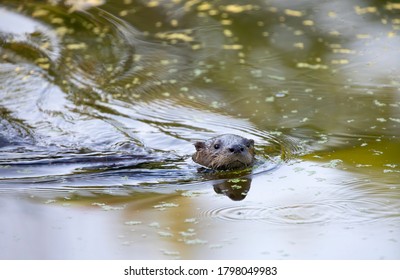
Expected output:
(236, 149)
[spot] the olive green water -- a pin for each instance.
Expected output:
(100, 104)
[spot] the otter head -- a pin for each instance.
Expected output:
(225, 152)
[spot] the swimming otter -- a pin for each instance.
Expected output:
(225, 152)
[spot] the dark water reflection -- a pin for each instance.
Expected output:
(100, 107)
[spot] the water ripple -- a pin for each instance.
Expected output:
(343, 211)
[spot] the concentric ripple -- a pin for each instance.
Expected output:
(343, 211)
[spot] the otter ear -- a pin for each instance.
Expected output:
(199, 145)
(250, 142)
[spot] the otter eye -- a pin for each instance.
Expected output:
(216, 146)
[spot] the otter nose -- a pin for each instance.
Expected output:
(236, 149)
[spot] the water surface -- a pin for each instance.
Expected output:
(100, 107)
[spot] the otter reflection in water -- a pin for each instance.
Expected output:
(227, 152)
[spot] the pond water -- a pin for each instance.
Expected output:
(101, 102)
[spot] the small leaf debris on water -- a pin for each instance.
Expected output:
(191, 220)
(165, 205)
(170, 253)
(106, 207)
(165, 234)
(189, 232)
(237, 180)
(191, 193)
(49, 201)
(195, 241)
(131, 223)
(154, 224)
(335, 163)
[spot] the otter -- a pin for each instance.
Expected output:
(225, 152)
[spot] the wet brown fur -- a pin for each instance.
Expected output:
(225, 152)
